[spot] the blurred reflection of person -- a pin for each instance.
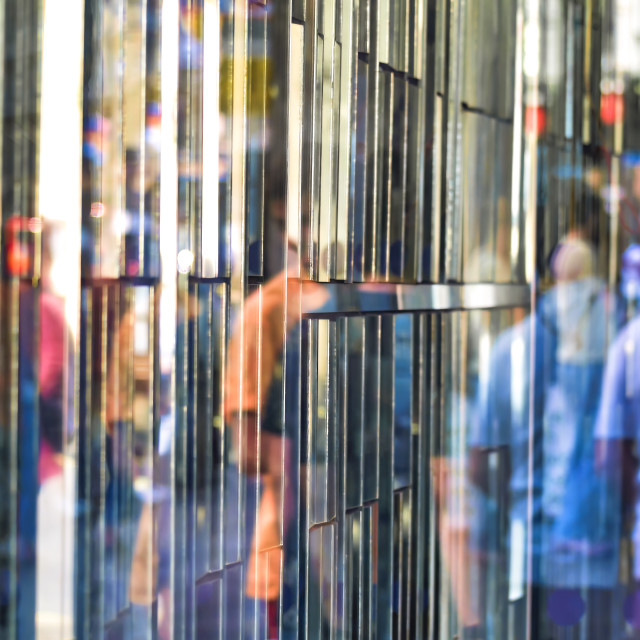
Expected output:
(254, 408)
(618, 433)
(258, 371)
(575, 512)
(630, 279)
(56, 499)
(46, 386)
(151, 563)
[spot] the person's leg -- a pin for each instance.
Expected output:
(600, 614)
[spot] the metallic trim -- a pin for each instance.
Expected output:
(369, 298)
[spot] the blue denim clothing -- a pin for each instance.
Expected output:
(402, 401)
(575, 510)
(619, 413)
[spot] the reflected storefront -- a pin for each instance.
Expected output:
(320, 319)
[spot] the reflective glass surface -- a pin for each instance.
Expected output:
(320, 319)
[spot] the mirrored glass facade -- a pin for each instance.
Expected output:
(320, 319)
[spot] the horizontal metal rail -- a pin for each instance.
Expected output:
(367, 299)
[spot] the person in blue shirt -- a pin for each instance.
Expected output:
(536, 413)
(617, 432)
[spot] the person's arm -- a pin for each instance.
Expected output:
(615, 437)
(489, 467)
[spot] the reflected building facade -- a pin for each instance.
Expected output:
(319, 319)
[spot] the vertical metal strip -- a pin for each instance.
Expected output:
(191, 460)
(316, 161)
(319, 366)
(259, 68)
(72, 349)
(238, 222)
(195, 175)
(453, 256)
(424, 170)
(99, 428)
(295, 129)
(120, 201)
(360, 401)
(360, 155)
(532, 19)
(143, 146)
(309, 134)
(238, 282)
(104, 131)
(340, 397)
(156, 535)
(121, 510)
(179, 467)
(372, 405)
(186, 238)
(333, 414)
(294, 360)
(371, 239)
(83, 528)
(327, 153)
(433, 447)
(385, 512)
(210, 140)
(335, 252)
(386, 183)
(3, 144)
(517, 231)
(399, 162)
(96, 467)
(298, 11)
(167, 306)
(419, 538)
(382, 28)
(206, 496)
(218, 349)
(306, 407)
(255, 484)
(13, 453)
(441, 83)
(345, 124)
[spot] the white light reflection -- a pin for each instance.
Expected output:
(517, 557)
(185, 261)
(627, 36)
(60, 171)
(484, 353)
(210, 139)
(518, 389)
(612, 194)
(59, 201)
(169, 180)
(531, 62)
(294, 140)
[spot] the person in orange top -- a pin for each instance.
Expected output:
(253, 385)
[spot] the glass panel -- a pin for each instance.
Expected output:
(258, 72)
(489, 42)
(379, 238)
(359, 158)
(319, 319)
(487, 231)
(479, 475)
(355, 419)
(371, 408)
